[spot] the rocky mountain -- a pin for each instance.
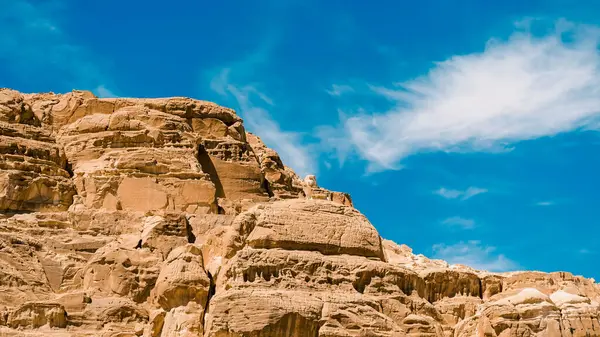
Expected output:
(164, 217)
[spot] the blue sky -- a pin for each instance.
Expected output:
(467, 130)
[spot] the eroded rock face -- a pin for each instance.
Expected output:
(313, 226)
(164, 217)
(33, 168)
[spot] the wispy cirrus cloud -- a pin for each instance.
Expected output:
(474, 254)
(239, 83)
(103, 92)
(545, 203)
(517, 89)
(460, 222)
(460, 194)
(339, 90)
(35, 48)
(254, 106)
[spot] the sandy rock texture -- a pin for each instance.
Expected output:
(164, 217)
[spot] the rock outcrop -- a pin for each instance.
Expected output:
(164, 217)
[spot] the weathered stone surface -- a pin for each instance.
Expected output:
(38, 314)
(163, 217)
(283, 182)
(165, 233)
(182, 279)
(120, 268)
(33, 175)
(313, 225)
(264, 313)
(137, 159)
(184, 321)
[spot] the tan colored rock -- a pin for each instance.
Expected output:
(184, 321)
(235, 171)
(263, 313)
(402, 255)
(165, 233)
(282, 182)
(156, 323)
(347, 314)
(313, 191)
(314, 225)
(164, 217)
(38, 314)
(155, 149)
(22, 276)
(120, 268)
(15, 110)
(564, 299)
(455, 309)
(33, 175)
(416, 325)
(112, 315)
(182, 279)
(550, 282)
(530, 312)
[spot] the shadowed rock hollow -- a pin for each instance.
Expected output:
(164, 217)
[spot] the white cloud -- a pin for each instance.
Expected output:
(545, 203)
(448, 194)
(252, 102)
(220, 82)
(523, 88)
(457, 221)
(475, 255)
(463, 195)
(339, 90)
(36, 49)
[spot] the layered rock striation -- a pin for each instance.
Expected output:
(164, 217)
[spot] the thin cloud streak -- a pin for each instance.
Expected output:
(103, 92)
(458, 194)
(339, 90)
(460, 222)
(236, 81)
(251, 102)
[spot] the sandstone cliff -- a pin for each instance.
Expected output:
(164, 217)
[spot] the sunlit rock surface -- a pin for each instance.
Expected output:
(164, 217)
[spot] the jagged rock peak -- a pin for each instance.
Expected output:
(178, 154)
